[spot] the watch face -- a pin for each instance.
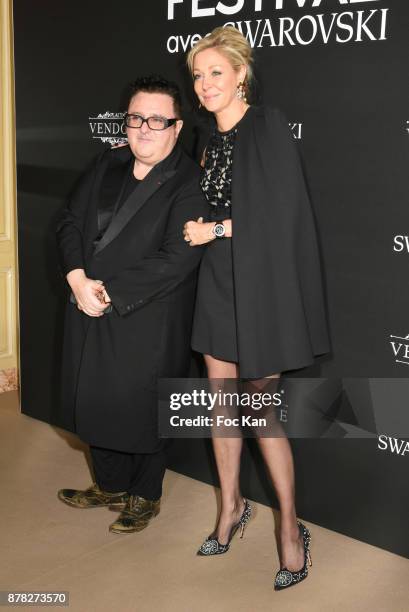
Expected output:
(219, 230)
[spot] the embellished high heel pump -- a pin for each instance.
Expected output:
(212, 546)
(286, 578)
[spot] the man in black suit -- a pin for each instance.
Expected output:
(128, 320)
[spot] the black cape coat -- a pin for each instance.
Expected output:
(279, 301)
(111, 363)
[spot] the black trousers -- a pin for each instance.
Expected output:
(138, 474)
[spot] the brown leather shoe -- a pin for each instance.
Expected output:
(93, 497)
(136, 515)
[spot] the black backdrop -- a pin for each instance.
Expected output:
(346, 100)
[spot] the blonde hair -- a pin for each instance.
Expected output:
(231, 43)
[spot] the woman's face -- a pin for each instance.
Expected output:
(215, 80)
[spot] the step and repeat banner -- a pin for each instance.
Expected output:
(338, 69)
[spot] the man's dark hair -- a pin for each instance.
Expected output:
(155, 83)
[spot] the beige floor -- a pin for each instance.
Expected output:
(49, 546)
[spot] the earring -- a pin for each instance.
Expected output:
(241, 92)
(200, 105)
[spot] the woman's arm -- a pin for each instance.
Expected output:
(197, 232)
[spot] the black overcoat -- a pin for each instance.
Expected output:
(111, 363)
(279, 300)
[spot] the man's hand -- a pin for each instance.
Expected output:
(87, 292)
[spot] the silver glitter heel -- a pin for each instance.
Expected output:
(286, 578)
(212, 546)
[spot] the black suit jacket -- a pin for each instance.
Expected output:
(111, 364)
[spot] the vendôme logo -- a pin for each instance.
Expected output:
(320, 25)
(108, 127)
(400, 348)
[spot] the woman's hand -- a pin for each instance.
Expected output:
(197, 232)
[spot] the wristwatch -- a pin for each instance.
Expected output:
(219, 230)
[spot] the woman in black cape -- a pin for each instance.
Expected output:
(259, 308)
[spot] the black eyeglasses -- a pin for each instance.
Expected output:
(133, 120)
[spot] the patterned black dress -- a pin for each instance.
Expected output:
(214, 326)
